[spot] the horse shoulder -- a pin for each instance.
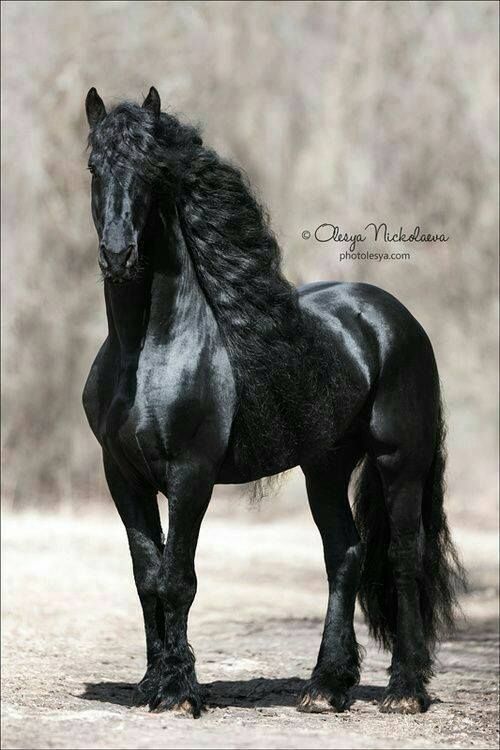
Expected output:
(97, 389)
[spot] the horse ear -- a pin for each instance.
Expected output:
(152, 101)
(94, 107)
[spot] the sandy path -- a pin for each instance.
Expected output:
(73, 644)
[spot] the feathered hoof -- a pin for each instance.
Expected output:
(188, 707)
(185, 703)
(413, 704)
(318, 702)
(168, 688)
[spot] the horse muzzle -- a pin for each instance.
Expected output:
(118, 264)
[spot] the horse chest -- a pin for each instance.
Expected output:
(157, 410)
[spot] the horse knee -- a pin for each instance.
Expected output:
(176, 591)
(345, 567)
(147, 582)
(146, 559)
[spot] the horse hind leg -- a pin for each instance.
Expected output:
(411, 666)
(411, 572)
(338, 666)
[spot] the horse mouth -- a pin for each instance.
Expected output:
(123, 278)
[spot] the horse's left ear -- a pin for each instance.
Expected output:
(94, 107)
(152, 101)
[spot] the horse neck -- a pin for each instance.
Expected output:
(146, 313)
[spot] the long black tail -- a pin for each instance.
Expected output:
(443, 575)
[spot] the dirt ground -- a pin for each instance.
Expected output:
(73, 643)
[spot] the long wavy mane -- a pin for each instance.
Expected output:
(238, 265)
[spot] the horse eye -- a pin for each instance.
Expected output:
(91, 169)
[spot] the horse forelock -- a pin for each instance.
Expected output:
(158, 148)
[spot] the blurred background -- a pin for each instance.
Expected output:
(343, 112)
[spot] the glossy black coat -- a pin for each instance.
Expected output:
(166, 399)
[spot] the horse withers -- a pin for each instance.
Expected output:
(217, 370)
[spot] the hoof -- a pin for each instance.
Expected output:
(188, 703)
(167, 688)
(187, 707)
(321, 702)
(407, 705)
(149, 693)
(316, 705)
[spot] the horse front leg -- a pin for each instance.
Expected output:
(138, 510)
(176, 684)
(338, 666)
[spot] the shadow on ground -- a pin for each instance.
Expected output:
(258, 692)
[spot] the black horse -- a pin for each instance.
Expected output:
(217, 370)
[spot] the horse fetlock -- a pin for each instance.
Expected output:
(339, 663)
(412, 670)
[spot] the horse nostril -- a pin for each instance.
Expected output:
(103, 260)
(116, 260)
